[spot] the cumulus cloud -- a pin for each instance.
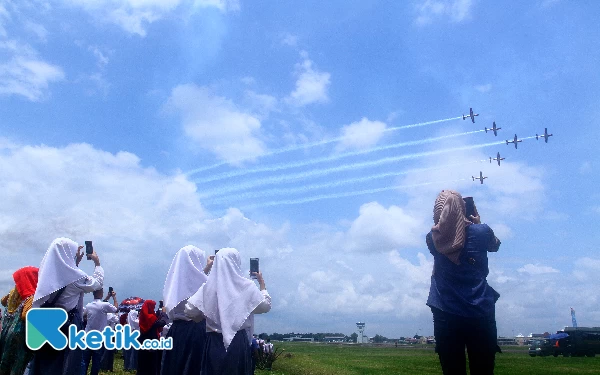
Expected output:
(216, 124)
(24, 73)
(311, 86)
(361, 134)
(137, 217)
(454, 10)
(380, 229)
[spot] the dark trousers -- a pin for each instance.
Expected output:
(94, 356)
(453, 333)
(48, 361)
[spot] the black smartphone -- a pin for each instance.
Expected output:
(89, 249)
(160, 304)
(216, 251)
(253, 266)
(469, 207)
(110, 290)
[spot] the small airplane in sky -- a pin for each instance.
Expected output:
(480, 178)
(471, 115)
(515, 141)
(498, 158)
(494, 129)
(545, 135)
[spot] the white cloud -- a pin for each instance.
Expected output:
(378, 229)
(36, 29)
(217, 124)
(223, 5)
(536, 269)
(137, 217)
(311, 86)
(4, 15)
(484, 88)
(24, 73)
(290, 40)
(454, 10)
(134, 16)
(260, 103)
(101, 56)
(361, 134)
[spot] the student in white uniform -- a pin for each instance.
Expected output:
(97, 319)
(108, 356)
(187, 274)
(228, 301)
(62, 284)
(130, 355)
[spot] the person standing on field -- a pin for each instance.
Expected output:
(462, 302)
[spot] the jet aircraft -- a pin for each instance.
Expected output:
(471, 115)
(545, 135)
(494, 129)
(498, 158)
(515, 141)
(480, 178)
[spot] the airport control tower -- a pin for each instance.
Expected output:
(361, 330)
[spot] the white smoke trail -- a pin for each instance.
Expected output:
(343, 195)
(314, 144)
(283, 166)
(331, 184)
(340, 168)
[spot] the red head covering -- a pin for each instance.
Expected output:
(147, 315)
(26, 280)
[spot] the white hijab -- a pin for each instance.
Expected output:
(227, 298)
(133, 320)
(185, 276)
(57, 269)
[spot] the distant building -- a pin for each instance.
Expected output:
(298, 338)
(506, 341)
(334, 339)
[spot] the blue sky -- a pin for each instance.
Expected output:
(141, 124)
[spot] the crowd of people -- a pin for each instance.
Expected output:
(208, 313)
(209, 307)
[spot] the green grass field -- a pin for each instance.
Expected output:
(331, 359)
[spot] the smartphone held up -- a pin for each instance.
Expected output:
(469, 207)
(253, 267)
(89, 249)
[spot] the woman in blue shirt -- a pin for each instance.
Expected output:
(462, 302)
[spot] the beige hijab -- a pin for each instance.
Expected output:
(450, 223)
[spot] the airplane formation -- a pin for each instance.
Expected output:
(495, 129)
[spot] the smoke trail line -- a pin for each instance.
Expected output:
(314, 144)
(341, 168)
(307, 188)
(343, 195)
(283, 166)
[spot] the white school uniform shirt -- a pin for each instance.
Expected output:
(228, 300)
(58, 270)
(184, 278)
(112, 319)
(97, 312)
(268, 348)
